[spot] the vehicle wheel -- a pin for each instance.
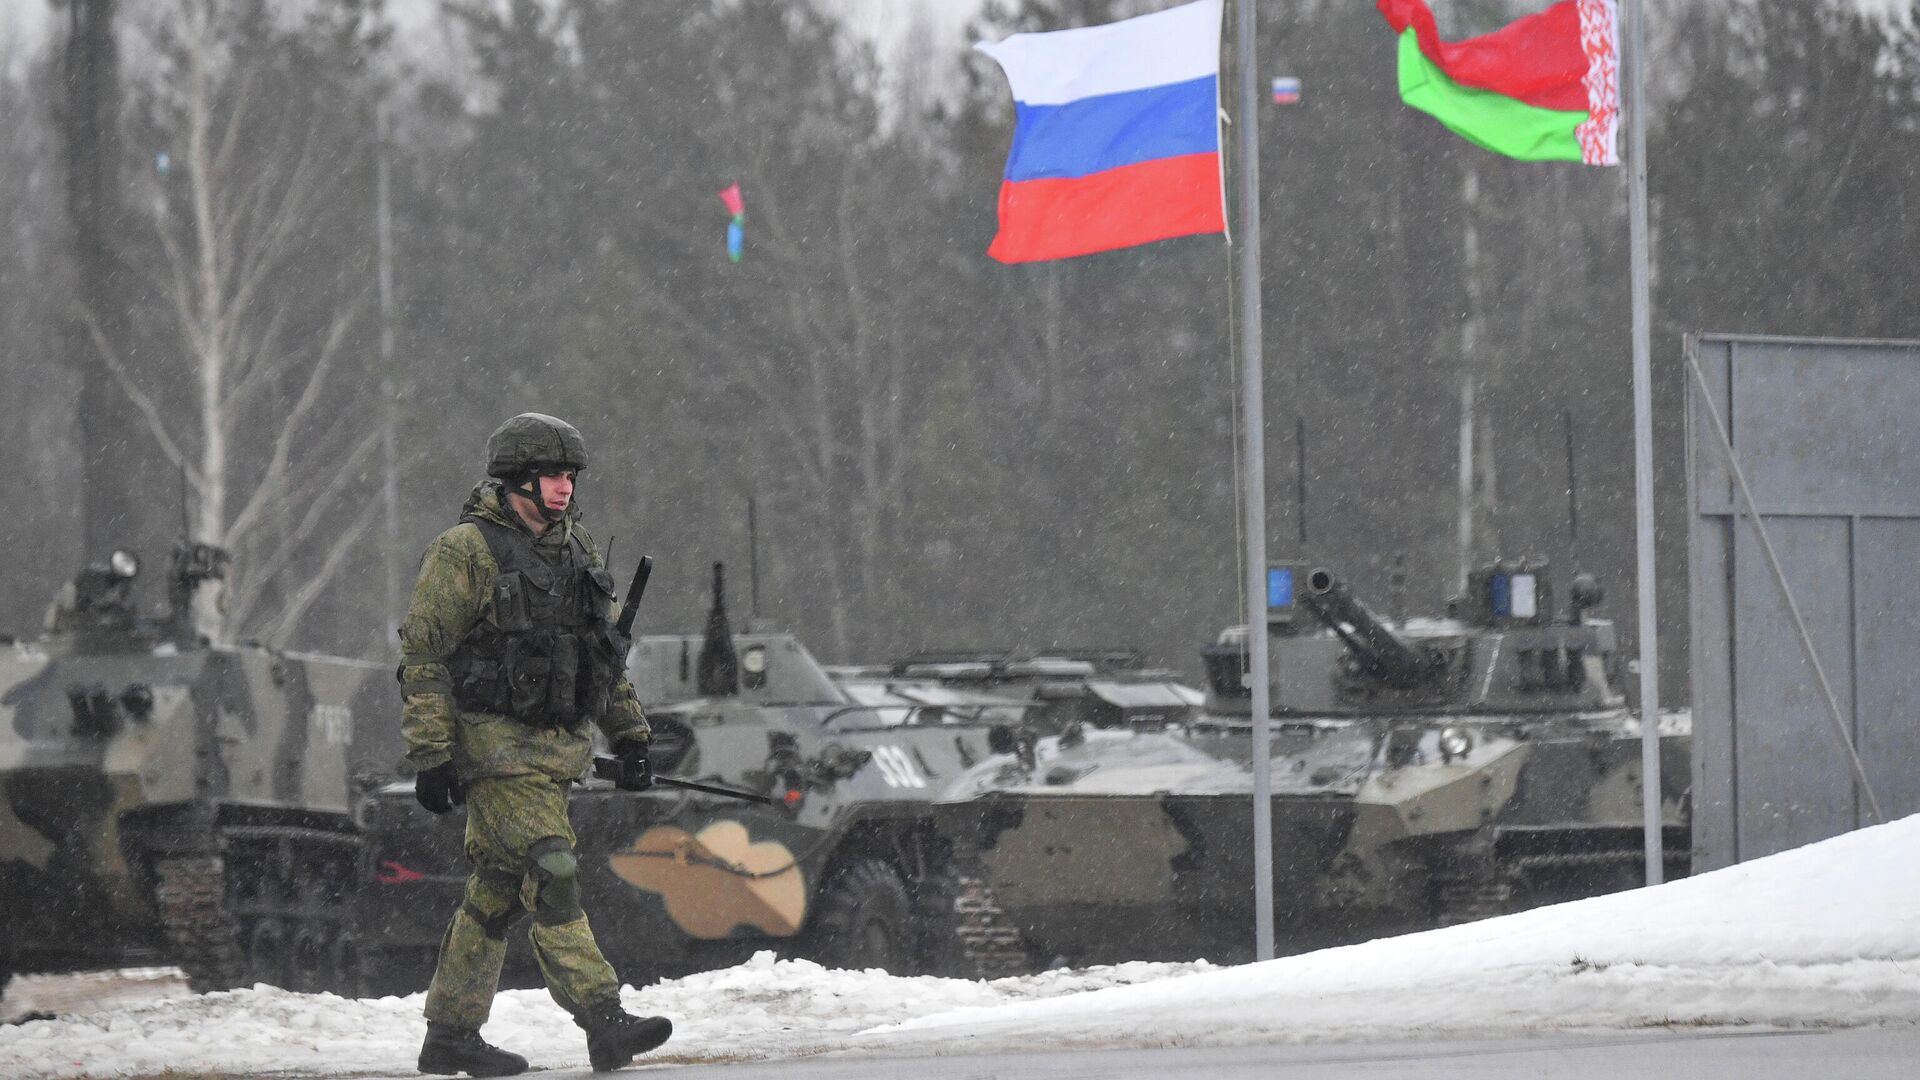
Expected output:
(395, 972)
(342, 975)
(267, 954)
(863, 920)
(308, 959)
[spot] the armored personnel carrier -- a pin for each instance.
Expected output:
(1431, 772)
(1056, 688)
(842, 864)
(164, 799)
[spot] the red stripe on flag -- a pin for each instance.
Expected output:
(1133, 204)
(1536, 59)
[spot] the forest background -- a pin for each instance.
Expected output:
(943, 451)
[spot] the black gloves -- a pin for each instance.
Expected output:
(439, 789)
(636, 772)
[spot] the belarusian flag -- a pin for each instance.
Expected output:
(1542, 88)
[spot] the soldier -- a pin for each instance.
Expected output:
(510, 649)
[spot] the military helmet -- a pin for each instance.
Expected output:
(532, 442)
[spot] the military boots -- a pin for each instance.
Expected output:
(615, 1036)
(451, 1050)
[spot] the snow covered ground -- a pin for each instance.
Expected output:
(1828, 935)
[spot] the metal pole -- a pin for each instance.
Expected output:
(1254, 471)
(1635, 41)
(389, 488)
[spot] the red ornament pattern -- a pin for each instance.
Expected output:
(1600, 40)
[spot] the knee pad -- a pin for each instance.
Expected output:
(556, 875)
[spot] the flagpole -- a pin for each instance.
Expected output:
(1254, 476)
(1635, 40)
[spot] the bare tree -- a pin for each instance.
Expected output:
(271, 430)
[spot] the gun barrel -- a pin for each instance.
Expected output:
(1376, 645)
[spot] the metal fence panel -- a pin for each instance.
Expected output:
(1821, 429)
(1790, 770)
(1888, 644)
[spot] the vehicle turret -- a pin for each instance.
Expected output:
(1377, 651)
(97, 609)
(1500, 650)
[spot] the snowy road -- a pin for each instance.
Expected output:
(1876, 1054)
(1824, 938)
(1868, 1054)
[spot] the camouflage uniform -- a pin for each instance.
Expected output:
(516, 776)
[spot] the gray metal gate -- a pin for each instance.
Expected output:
(1827, 433)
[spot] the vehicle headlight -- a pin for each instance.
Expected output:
(124, 564)
(1454, 743)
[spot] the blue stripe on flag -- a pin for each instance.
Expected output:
(1095, 134)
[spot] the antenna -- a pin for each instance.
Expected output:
(1300, 476)
(1463, 495)
(753, 560)
(1573, 490)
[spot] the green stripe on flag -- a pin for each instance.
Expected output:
(1486, 119)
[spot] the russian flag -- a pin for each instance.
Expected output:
(1116, 137)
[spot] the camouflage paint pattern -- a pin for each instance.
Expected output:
(451, 597)
(719, 880)
(506, 817)
(122, 739)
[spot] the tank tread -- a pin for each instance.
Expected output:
(1471, 900)
(302, 833)
(189, 895)
(1516, 882)
(991, 945)
(1594, 858)
(271, 904)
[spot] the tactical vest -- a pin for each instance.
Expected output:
(545, 651)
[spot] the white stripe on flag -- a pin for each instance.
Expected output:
(1158, 49)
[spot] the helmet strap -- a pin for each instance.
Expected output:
(529, 486)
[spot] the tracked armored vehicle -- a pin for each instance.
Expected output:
(164, 799)
(1055, 689)
(843, 866)
(1431, 772)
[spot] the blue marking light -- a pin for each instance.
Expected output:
(1279, 587)
(1499, 595)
